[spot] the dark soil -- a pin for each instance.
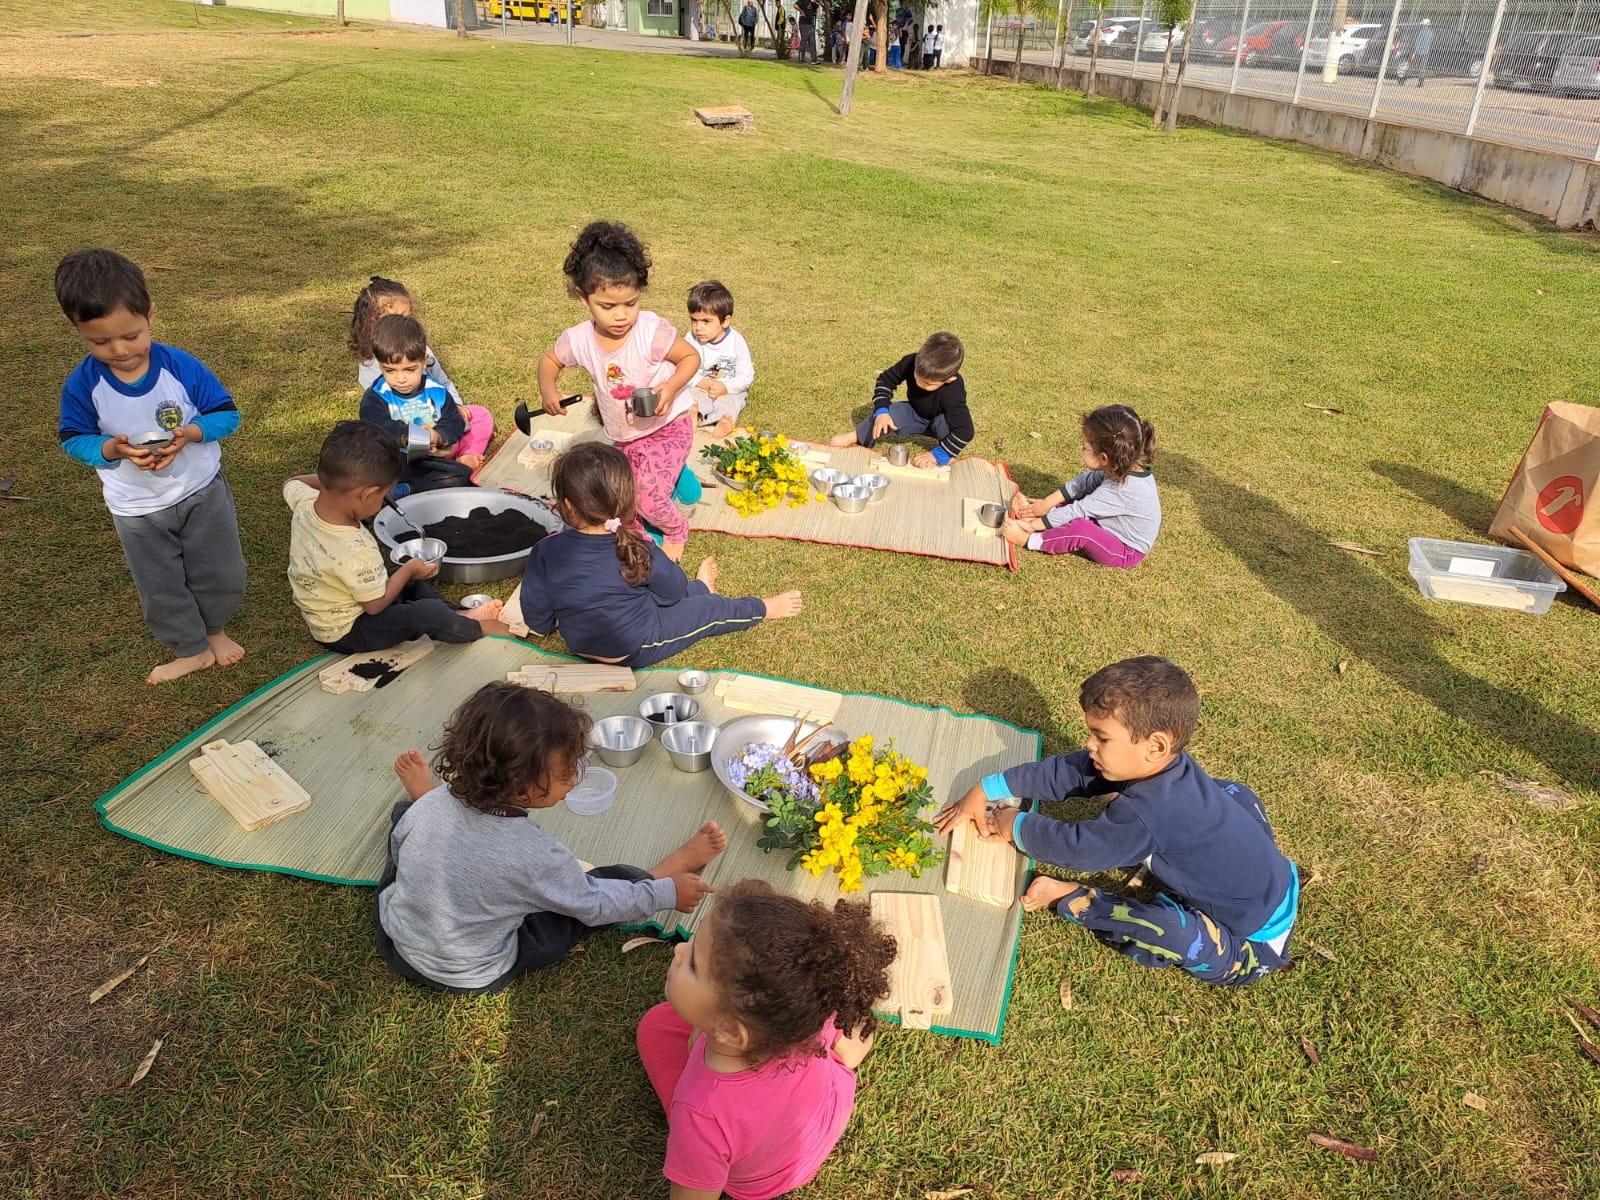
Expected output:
(482, 534)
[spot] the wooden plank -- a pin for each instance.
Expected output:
(749, 694)
(574, 677)
(985, 871)
(969, 517)
(244, 779)
(883, 466)
(1558, 567)
(338, 678)
(919, 980)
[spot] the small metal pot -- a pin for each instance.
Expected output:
(878, 485)
(850, 498)
(475, 600)
(429, 550)
(620, 740)
(689, 745)
(150, 440)
(644, 402)
(419, 442)
(692, 683)
(825, 479)
(898, 454)
(992, 515)
(669, 708)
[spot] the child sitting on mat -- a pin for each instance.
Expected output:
(614, 595)
(722, 384)
(753, 1055)
(935, 403)
(1227, 897)
(336, 572)
(475, 893)
(1111, 512)
(385, 297)
(405, 397)
(623, 348)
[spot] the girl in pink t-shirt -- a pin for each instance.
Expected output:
(747, 1056)
(623, 348)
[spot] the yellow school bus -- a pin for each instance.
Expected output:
(536, 10)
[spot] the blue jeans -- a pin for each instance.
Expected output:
(907, 424)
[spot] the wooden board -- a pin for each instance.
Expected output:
(1484, 593)
(969, 517)
(337, 678)
(883, 466)
(919, 980)
(722, 115)
(1559, 568)
(243, 779)
(750, 694)
(985, 871)
(575, 677)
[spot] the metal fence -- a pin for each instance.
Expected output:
(1510, 71)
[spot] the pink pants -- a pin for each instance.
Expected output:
(663, 1039)
(1083, 536)
(480, 431)
(657, 460)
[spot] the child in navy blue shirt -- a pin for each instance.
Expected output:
(935, 403)
(615, 597)
(406, 395)
(148, 418)
(1227, 896)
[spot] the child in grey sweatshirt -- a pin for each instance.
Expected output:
(475, 893)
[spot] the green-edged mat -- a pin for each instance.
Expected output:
(340, 748)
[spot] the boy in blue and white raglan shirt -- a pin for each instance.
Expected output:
(1227, 896)
(148, 417)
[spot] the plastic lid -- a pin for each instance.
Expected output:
(594, 792)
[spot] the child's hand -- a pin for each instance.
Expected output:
(1001, 821)
(974, 807)
(1021, 506)
(551, 404)
(420, 568)
(881, 424)
(120, 447)
(1037, 508)
(665, 394)
(925, 461)
(714, 387)
(691, 890)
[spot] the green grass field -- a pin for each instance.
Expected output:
(260, 168)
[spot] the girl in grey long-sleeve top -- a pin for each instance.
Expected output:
(1110, 513)
(475, 893)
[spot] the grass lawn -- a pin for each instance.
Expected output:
(261, 167)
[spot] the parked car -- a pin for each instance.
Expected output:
(1347, 46)
(1110, 29)
(1451, 54)
(1155, 42)
(1126, 35)
(1528, 60)
(1209, 34)
(1578, 71)
(1271, 43)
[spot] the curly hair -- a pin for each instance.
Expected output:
(505, 740)
(1128, 443)
(606, 254)
(783, 967)
(593, 483)
(372, 302)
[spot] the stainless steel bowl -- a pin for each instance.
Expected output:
(733, 485)
(878, 485)
(429, 550)
(621, 740)
(150, 440)
(992, 515)
(669, 708)
(825, 479)
(475, 600)
(692, 683)
(423, 508)
(419, 442)
(689, 745)
(771, 731)
(799, 448)
(851, 498)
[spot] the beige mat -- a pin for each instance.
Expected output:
(340, 747)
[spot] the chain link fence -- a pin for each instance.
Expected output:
(1513, 71)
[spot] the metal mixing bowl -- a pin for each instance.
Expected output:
(825, 479)
(429, 550)
(876, 484)
(689, 745)
(423, 508)
(851, 498)
(669, 708)
(621, 740)
(771, 731)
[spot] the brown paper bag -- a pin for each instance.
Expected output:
(1549, 497)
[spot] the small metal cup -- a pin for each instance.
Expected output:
(644, 402)
(899, 454)
(992, 515)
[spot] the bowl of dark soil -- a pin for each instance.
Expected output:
(490, 533)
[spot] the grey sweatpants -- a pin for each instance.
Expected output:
(187, 565)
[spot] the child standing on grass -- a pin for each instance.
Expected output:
(148, 418)
(613, 594)
(1111, 512)
(475, 893)
(1227, 896)
(753, 1055)
(336, 572)
(623, 348)
(385, 297)
(935, 403)
(722, 383)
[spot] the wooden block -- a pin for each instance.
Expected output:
(245, 780)
(919, 980)
(969, 517)
(749, 694)
(985, 871)
(338, 679)
(575, 677)
(883, 466)
(723, 115)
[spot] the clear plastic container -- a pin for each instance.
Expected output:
(594, 792)
(1490, 576)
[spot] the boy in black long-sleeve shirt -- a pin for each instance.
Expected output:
(935, 403)
(1228, 896)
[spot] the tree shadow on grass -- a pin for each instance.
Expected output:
(1467, 507)
(1375, 620)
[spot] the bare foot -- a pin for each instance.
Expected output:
(673, 550)
(227, 651)
(851, 1048)
(1045, 892)
(840, 440)
(707, 574)
(694, 854)
(492, 625)
(786, 605)
(473, 461)
(414, 774)
(1015, 532)
(487, 611)
(722, 428)
(179, 667)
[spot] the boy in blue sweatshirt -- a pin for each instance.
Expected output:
(1226, 898)
(148, 418)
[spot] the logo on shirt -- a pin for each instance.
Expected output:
(168, 415)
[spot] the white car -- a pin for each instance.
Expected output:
(1110, 29)
(1348, 46)
(1155, 42)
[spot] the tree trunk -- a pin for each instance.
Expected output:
(339, 13)
(1094, 49)
(881, 7)
(852, 60)
(1171, 121)
(461, 20)
(1161, 88)
(1016, 64)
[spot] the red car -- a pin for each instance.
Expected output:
(1268, 42)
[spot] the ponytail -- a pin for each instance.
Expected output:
(593, 483)
(634, 554)
(1147, 445)
(1127, 442)
(369, 303)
